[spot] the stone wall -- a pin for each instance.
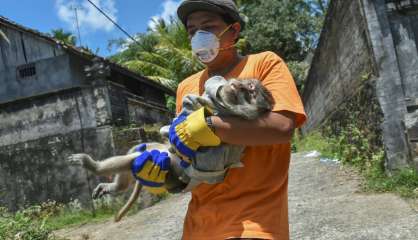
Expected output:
(36, 136)
(341, 61)
(363, 38)
(55, 113)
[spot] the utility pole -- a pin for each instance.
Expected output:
(78, 27)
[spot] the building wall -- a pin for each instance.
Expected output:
(50, 114)
(363, 41)
(36, 137)
(31, 66)
(341, 62)
(404, 29)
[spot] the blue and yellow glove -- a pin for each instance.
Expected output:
(150, 169)
(188, 132)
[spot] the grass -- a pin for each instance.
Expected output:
(313, 141)
(403, 182)
(37, 222)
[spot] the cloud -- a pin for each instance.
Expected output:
(89, 18)
(169, 10)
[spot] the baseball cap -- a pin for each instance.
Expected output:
(222, 7)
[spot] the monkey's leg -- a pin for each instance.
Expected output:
(121, 183)
(108, 166)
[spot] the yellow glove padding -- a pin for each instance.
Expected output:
(153, 173)
(194, 132)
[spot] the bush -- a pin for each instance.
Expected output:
(29, 223)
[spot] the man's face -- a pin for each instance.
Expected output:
(211, 22)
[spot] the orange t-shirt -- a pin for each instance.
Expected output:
(252, 200)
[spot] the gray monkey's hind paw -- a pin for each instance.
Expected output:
(103, 189)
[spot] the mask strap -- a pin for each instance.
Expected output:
(228, 47)
(224, 31)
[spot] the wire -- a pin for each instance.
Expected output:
(110, 19)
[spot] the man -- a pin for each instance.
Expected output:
(251, 203)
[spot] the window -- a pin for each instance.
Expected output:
(26, 71)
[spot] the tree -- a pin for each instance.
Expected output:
(288, 27)
(162, 54)
(66, 37)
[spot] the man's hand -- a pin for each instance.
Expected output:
(189, 132)
(150, 169)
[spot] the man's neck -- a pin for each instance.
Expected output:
(226, 64)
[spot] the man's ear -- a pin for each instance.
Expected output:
(237, 29)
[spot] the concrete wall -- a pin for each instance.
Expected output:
(363, 38)
(341, 61)
(25, 50)
(47, 115)
(389, 85)
(36, 137)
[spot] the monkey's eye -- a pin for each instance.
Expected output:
(251, 86)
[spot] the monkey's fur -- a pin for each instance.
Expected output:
(247, 99)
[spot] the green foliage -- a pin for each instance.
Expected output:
(162, 54)
(404, 182)
(289, 28)
(171, 103)
(299, 72)
(29, 223)
(66, 37)
(313, 141)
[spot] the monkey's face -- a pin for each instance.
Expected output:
(247, 98)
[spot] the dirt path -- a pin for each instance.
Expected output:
(324, 203)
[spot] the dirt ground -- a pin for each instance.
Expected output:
(325, 202)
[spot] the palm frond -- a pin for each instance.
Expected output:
(170, 83)
(147, 68)
(3, 35)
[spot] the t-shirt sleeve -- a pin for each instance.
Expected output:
(277, 78)
(179, 98)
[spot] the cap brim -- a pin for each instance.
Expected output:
(189, 7)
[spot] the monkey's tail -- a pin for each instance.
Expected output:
(134, 196)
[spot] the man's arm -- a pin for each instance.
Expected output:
(272, 128)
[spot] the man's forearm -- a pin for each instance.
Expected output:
(272, 128)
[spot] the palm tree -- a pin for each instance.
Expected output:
(162, 54)
(66, 37)
(3, 36)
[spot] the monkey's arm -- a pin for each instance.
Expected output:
(121, 183)
(108, 166)
(271, 128)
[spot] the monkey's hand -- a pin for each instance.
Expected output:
(83, 160)
(103, 189)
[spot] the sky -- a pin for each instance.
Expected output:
(135, 16)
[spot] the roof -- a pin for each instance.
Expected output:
(85, 54)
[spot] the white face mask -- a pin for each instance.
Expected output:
(206, 45)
